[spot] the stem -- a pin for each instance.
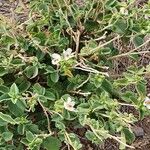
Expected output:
(116, 138)
(77, 37)
(101, 38)
(123, 104)
(65, 17)
(69, 8)
(128, 53)
(48, 121)
(84, 82)
(91, 70)
(69, 140)
(80, 93)
(94, 131)
(100, 46)
(86, 15)
(110, 136)
(43, 135)
(131, 52)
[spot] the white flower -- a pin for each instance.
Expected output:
(56, 58)
(123, 11)
(67, 54)
(147, 102)
(69, 104)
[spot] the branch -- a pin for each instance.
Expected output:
(131, 52)
(98, 47)
(45, 112)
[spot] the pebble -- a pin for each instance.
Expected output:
(138, 131)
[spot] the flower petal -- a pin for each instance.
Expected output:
(55, 62)
(147, 99)
(67, 54)
(148, 106)
(69, 99)
(69, 104)
(123, 11)
(69, 51)
(56, 56)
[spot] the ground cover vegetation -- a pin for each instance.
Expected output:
(57, 90)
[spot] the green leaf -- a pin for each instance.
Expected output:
(141, 113)
(141, 89)
(129, 135)
(29, 136)
(58, 106)
(91, 136)
(2, 71)
(31, 71)
(105, 51)
(38, 89)
(56, 117)
(33, 128)
(84, 108)
(18, 108)
(4, 97)
(14, 91)
(75, 141)
(135, 57)
(123, 139)
(3, 123)
(54, 77)
(7, 118)
(59, 125)
(51, 143)
(98, 79)
(24, 86)
(4, 89)
(1, 81)
(121, 81)
(21, 129)
(17, 62)
(109, 3)
(20, 146)
(7, 136)
(129, 97)
(107, 86)
(120, 26)
(69, 115)
(49, 95)
(138, 41)
(49, 69)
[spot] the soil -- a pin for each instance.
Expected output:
(142, 142)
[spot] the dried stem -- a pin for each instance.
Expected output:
(131, 52)
(77, 37)
(100, 46)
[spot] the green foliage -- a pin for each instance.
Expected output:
(55, 74)
(52, 143)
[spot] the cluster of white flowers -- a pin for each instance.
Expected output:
(69, 104)
(56, 58)
(123, 11)
(147, 102)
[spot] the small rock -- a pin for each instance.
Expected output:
(138, 131)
